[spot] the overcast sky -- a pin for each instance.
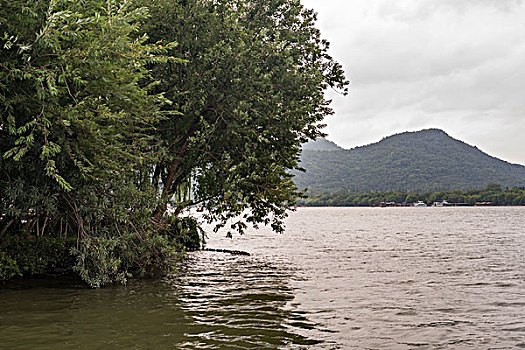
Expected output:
(457, 65)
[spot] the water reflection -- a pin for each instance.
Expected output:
(63, 314)
(215, 301)
(238, 302)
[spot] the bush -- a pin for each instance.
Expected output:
(99, 259)
(105, 260)
(8, 267)
(25, 256)
(187, 232)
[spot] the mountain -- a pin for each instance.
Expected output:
(427, 160)
(321, 144)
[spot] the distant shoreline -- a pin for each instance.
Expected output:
(492, 195)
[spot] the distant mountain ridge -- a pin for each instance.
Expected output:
(321, 144)
(427, 160)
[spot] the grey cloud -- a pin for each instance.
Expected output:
(421, 10)
(455, 65)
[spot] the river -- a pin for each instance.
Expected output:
(339, 278)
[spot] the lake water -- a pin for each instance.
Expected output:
(339, 278)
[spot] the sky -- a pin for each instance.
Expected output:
(456, 65)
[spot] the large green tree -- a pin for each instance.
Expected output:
(251, 92)
(77, 123)
(101, 129)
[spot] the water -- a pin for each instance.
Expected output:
(339, 278)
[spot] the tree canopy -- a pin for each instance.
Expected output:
(252, 91)
(114, 111)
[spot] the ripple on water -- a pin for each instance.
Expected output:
(338, 278)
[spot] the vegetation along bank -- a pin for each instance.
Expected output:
(493, 194)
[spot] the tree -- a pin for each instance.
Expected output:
(494, 187)
(251, 93)
(101, 128)
(76, 125)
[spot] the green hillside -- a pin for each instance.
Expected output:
(427, 160)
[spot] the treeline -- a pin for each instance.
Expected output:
(493, 194)
(116, 116)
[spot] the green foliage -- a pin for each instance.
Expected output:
(252, 90)
(23, 255)
(186, 232)
(69, 87)
(77, 124)
(109, 258)
(8, 267)
(113, 110)
(73, 112)
(423, 161)
(493, 193)
(98, 264)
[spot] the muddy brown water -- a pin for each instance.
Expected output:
(339, 278)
